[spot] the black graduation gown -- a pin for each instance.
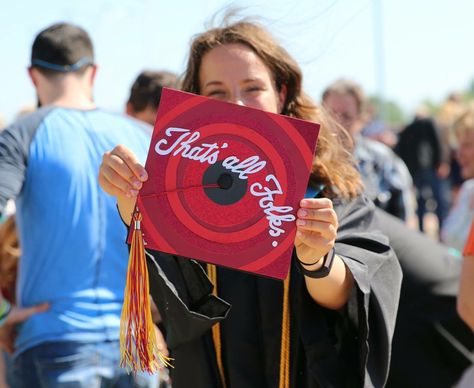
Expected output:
(432, 346)
(328, 348)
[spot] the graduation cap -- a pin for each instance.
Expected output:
(225, 182)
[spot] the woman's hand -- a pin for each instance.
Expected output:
(316, 234)
(316, 229)
(122, 175)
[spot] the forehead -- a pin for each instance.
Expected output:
(232, 60)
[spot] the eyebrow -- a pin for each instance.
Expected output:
(247, 80)
(212, 83)
(218, 83)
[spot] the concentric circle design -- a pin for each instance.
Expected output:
(227, 188)
(198, 200)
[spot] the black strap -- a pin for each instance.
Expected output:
(320, 272)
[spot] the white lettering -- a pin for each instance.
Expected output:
(209, 153)
(276, 215)
(186, 145)
(250, 165)
(169, 133)
(182, 145)
(206, 152)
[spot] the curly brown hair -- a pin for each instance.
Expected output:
(9, 256)
(333, 165)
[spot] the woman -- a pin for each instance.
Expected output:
(306, 331)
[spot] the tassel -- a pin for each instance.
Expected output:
(138, 346)
(285, 337)
(216, 329)
(284, 377)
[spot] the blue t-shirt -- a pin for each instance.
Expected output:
(74, 254)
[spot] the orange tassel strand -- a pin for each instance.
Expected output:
(216, 329)
(138, 345)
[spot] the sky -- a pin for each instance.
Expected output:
(406, 50)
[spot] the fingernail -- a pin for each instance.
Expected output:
(143, 176)
(137, 184)
(300, 222)
(133, 193)
(302, 213)
(304, 202)
(299, 233)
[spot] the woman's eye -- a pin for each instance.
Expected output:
(215, 93)
(254, 89)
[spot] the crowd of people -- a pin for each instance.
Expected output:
(369, 301)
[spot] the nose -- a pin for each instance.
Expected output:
(236, 98)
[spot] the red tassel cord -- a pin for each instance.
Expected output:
(138, 345)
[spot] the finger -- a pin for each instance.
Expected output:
(316, 203)
(115, 163)
(326, 214)
(114, 184)
(324, 229)
(160, 342)
(314, 241)
(131, 161)
(18, 315)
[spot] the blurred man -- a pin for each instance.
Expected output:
(146, 92)
(72, 240)
(420, 147)
(385, 176)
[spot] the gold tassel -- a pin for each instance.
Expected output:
(216, 329)
(285, 337)
(285, 332)
(138, 346)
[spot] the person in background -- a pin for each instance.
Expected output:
(72, 240)
(386, 178)
(10, 316)
(450, 110)
(420, 146)
(465, 299)
(9, 256)
(145, 94)
(375, 128)
(432, 346)
(430, 342)
(456, 227)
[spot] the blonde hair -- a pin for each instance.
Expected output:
(465, 123)
(333, 165)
